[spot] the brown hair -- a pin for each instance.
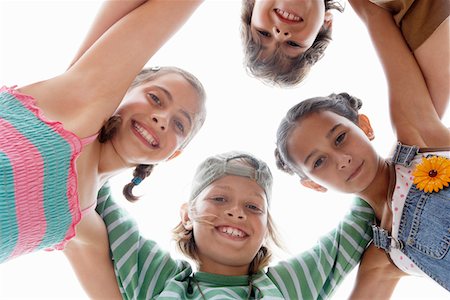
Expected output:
(110, 127)
(280, 69)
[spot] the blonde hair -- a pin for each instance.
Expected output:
(185, 239)
(185, 242)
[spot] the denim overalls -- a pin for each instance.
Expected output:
(424, 226)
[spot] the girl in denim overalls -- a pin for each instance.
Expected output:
(326, 142)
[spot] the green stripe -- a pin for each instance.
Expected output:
(9, 231)
(55, 152)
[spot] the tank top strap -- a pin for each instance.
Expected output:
(87, 140)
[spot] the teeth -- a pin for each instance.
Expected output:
(144, 133)
(287, 15)
(233, 231)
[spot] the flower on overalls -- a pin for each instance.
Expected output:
(432, 174)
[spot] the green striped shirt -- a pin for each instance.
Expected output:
(144, 271)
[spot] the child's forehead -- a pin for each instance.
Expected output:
(237, 184)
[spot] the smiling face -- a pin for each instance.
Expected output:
(157, 117)
(229, 224)
(333, 151)
(288, 25)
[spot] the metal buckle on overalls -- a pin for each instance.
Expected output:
(382, 239)
(404, 154)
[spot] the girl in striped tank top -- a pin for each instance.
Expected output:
(51, 162)
(227, 230)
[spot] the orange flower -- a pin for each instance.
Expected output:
(432, 174)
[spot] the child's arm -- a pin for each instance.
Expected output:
(109, 14)
(88, 254)
(377, 276)
(142, 268)
(317, 273)
(90, 91)
(413, 115)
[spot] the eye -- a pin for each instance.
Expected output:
(340, 139)
(263, 33)
(254, 207)
(180, 126)
(218, 199)
(293, 44)
(154, 98)
(318, 162)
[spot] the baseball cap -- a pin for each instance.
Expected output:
(218, 166)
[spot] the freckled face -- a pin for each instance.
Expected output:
(157, 117)
(333, 152)
(291, 25)
(236, 210)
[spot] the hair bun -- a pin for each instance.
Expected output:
(351, 101)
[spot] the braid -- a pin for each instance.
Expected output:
(109, 129)
(140, 173)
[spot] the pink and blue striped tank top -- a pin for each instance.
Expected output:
(38, 181)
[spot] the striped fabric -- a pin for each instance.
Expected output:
(144, 271)
(38, 199)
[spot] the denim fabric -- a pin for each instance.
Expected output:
(424, 229)
(425, 233)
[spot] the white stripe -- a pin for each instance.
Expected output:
(318, 264)
(155, 276)
(129, 277)
(123, 237)
(109, 210)
(308, 277)
(117, 222)
(144, 269)
(127, 255)
(279, 281)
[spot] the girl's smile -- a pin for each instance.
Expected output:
(157, 117)
(290, 26)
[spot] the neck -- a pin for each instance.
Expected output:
(111, 163)
(223, 269)
(377, 192)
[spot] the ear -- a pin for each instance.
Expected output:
(313, 185)
(184, 214)
(175, 154)
(364, 124)
(328, 20)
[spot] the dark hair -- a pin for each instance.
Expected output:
(280, 69)
(110, 127)
(342, 104)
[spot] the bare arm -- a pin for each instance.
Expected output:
(109, 14)
(90, 91)
(377, 276)
(413, 115)
(88, 253)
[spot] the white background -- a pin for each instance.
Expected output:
(38, 40)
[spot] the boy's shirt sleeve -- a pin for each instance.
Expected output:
(316, 273)
(141, 267)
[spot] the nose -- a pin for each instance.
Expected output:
(344, 161)
(160, 119)
(280, 34)
(235, 212)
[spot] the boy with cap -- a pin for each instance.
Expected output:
(227, 230)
